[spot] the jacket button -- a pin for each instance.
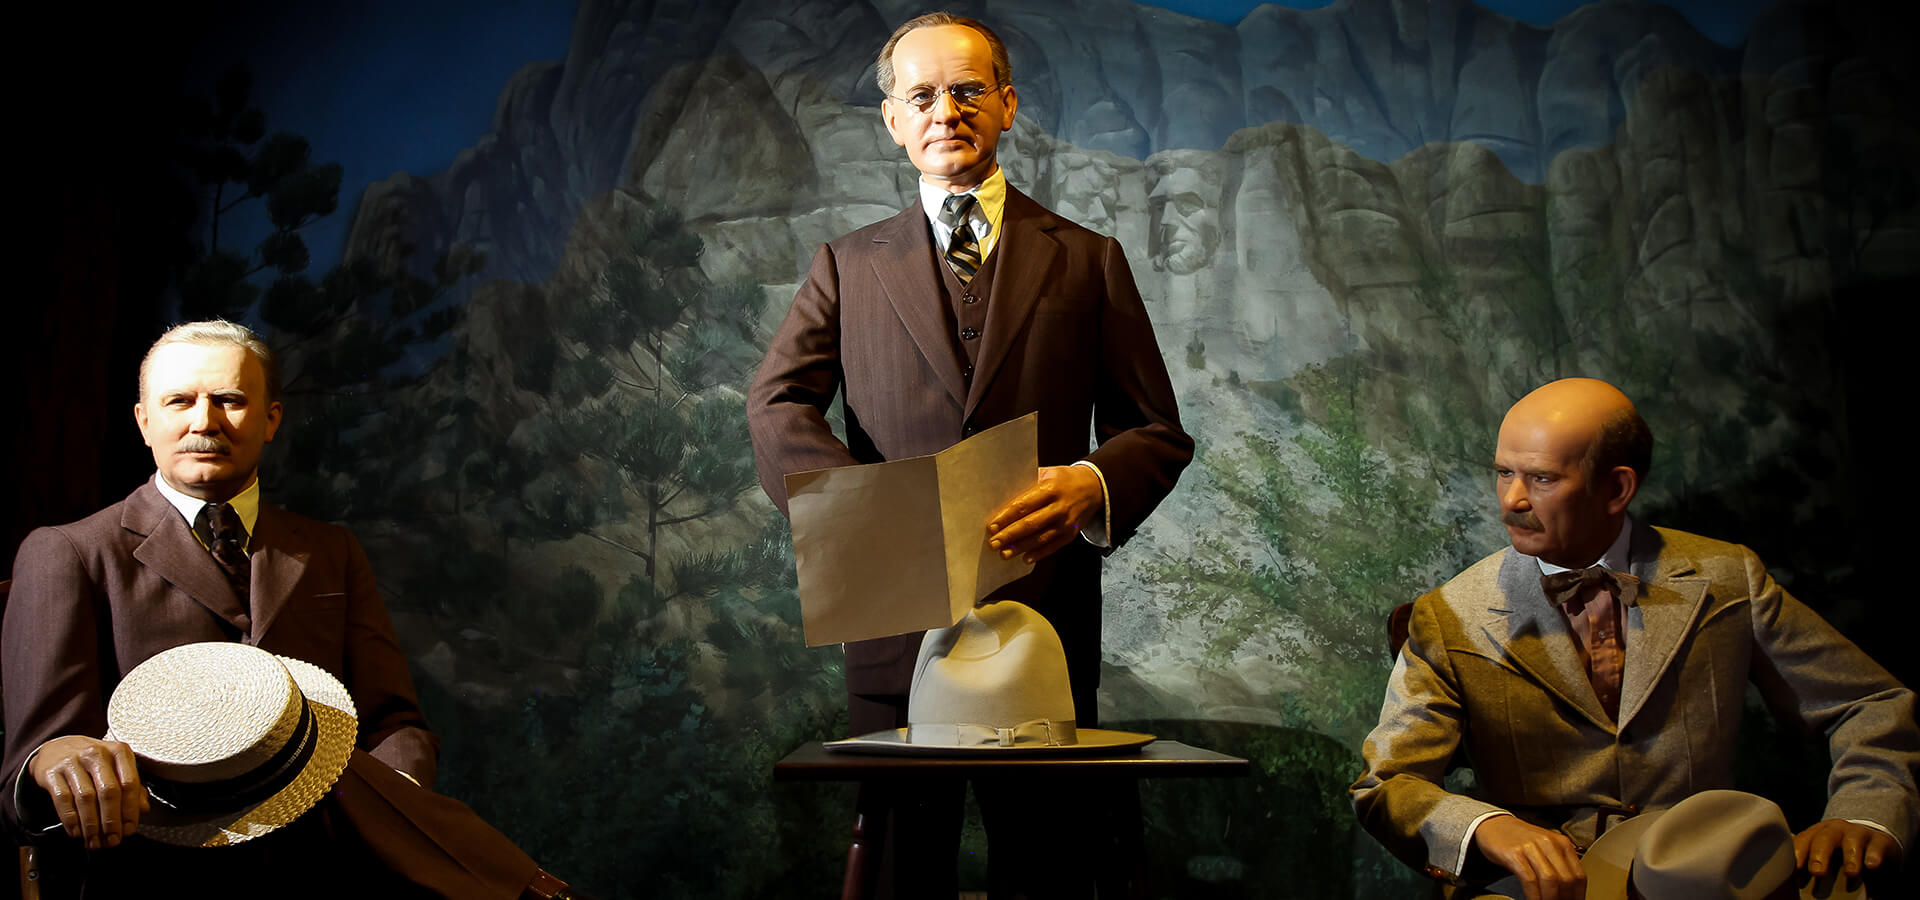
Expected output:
(969, 299)
(969, 333)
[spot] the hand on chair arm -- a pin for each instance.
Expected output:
(94, 786)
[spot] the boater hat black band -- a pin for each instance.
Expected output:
(247, 788)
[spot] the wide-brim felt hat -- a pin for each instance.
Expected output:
(233, 742)
(994, 684)
(1714, 845)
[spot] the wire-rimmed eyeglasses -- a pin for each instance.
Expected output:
(966, 95)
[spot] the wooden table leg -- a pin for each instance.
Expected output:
(855, 886)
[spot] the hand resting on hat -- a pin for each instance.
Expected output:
(95, 787)
(1549, 867)
(1047, 516)
(1545, 861)
(1861, 847)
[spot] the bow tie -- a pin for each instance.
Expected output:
(1571, 588)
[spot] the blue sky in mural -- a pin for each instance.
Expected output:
(382, 87)
(1725, 21)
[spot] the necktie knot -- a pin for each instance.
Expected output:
(963, 249)
(1571, 588)
(220, 528)
(955, 209)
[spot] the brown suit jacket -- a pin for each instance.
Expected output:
(95, 598)
(1490, 667)
(1066, 335)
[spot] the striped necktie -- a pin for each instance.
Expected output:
(220, 528)
(963, 251)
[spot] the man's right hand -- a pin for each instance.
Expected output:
(95, 787)
(1545, 861)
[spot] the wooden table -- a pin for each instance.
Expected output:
(1160, 759)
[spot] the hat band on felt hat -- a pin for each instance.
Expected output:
(1037, 733)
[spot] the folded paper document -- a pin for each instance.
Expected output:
(901, 546)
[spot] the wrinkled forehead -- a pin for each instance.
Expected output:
(942, 55)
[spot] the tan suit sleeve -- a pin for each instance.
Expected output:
(1399, 800)
(1806, 669)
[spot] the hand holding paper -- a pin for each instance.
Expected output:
(895, 547)
(1048, 515)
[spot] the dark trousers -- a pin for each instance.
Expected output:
(1042, 836)
(376, 834)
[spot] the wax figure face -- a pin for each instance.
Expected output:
(1552, 506)
(206, 415)
(949, 144)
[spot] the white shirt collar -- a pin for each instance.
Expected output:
(1614, 560)
(247, 503)
(989, 209)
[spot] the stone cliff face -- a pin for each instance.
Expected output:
(638, 100)
(1466, 204)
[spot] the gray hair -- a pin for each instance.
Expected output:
(216, 333)
(883, 67)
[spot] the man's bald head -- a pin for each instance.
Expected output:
(1619, 436)
(1570, 459)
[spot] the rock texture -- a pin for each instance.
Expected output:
(1464, 204)
(663, 95)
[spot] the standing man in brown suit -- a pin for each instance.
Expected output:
(195, 555)
(971, 307)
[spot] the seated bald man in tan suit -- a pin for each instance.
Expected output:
(1624, 693)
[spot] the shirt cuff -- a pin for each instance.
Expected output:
(1466, 843)
(1099, 533)
(1882, 829)
(29, 813)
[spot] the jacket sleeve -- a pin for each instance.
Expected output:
(392, 727)
(1399, 799)
(1806, 669)
(788, 399)
(1142, 448)
(54, 658)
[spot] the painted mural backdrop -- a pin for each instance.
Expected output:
(1361, 231)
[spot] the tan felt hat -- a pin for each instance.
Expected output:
(233, 742)
(1714, 845)
(995, 683)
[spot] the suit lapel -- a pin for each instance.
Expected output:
(1659, 623)
(279, 559)
(1026, 253)
(172, 552)
(1538, 640)
(903, 262)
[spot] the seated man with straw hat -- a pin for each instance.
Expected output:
(195, 556)
(1598, 669)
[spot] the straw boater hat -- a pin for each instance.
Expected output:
(1714, 845)
(993, 684)
(233, 742)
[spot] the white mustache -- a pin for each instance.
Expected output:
(194, 443)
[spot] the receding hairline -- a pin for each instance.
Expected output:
(1615, 433)
(996, 48)
(216, 333)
